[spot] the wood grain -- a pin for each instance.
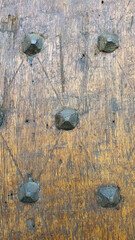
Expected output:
(69, 166)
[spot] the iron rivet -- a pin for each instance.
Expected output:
(32, 44)
(66, 119)
(108, 197)
(108, 42)
(29, 192)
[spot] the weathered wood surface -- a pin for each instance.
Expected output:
(69, 166)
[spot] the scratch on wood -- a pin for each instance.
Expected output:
(130, 154)
(124, 73)
(106, 131)
(129, 3)
(60, 135)
(97, 22)
(57, 95)
(123, 13)
(93, 72)
(120, 19)
(6, 92)
(41, 214)
(5, 143)
(131, 24)
(7, 87)
(61, 65)
(92, 165)
(11, 81)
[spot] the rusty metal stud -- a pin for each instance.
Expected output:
(66, 119)
(29, 192)
(108, 197)
(1, 116)
(108, 42)
(32, 44)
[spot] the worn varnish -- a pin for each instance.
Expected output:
(69, 166)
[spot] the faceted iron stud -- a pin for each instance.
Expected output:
(66, 119)
(1, 116)
(32, 44)
(108, 197)
(108, 42)
(29, 192)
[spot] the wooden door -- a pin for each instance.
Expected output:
(69, 166)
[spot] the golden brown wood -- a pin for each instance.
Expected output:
(69, 166)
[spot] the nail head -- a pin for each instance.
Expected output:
(32, 44)
(66, 119)
(108, 197)
(108, 42)
(29, 192)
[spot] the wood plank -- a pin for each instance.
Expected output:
(68, 165)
